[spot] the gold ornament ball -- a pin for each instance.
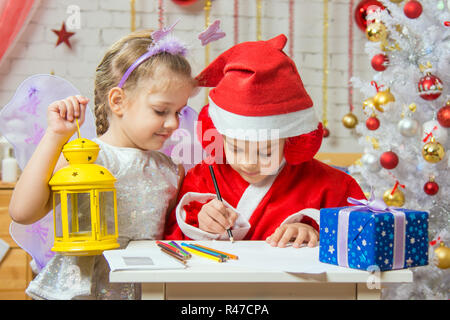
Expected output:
(442, 256)
(376, 31)
(396, 1)
(394, 200)
(350, 121)
(369, 103)
(382, 98)
(433, 152)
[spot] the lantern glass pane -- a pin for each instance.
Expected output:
(79, 214)
(57, 212)
(106, 210)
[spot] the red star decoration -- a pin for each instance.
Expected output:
(63, 35)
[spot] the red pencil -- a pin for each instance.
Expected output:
(170, 248)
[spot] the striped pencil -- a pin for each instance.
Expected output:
(203, 254)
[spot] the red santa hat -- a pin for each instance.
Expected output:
(258, 90)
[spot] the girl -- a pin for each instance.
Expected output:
(140, 88)
(271, 186)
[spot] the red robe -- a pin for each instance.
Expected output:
(311, 184)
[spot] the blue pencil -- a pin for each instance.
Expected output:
(181, 249)
(214, 254)
(209, 251)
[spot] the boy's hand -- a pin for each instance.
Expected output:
(61, 116)
(214, 217)
(301, 232)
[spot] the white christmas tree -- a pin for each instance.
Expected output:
(405, 130)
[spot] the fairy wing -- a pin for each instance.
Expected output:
(23, 122)
(183, 146)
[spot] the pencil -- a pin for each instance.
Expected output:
(169, 247)
(179, 255)
(176, 245)
(208, 250)
(229, 255)
(211, 170)
(169, 253)
(202, 254)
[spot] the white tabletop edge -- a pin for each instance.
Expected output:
(209, 274)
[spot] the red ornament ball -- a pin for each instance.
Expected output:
(443, 116)
(412, 9)
(431, 188)
(380, 62)
(430, 87)
(184, 2)
(389, 160)
(326, 132)
(362, 10)
(372, 123)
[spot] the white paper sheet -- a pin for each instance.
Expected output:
(261, 255)
(141, 259)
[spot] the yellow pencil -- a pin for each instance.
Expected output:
(231, 256)
(202, 254)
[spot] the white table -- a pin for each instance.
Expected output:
(220, 281)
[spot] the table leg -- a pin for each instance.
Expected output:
(363, 292)
(153, 291)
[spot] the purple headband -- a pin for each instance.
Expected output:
(162, 42)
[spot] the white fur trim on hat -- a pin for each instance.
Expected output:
(262, 128)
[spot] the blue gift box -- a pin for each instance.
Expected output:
(371, 239)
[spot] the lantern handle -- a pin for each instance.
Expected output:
(78, 128)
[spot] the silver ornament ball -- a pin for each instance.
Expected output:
(371, 162)
(408, 127)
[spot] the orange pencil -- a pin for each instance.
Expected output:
(229, 255)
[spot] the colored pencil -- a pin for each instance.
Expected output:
(209, 250)
(169, 247)
(203, 254)
(216, 186)
(229, 255)
(176, 245)
(170, 253)
(224, 257)
(179, 255)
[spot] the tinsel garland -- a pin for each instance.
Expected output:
(325, 65)
(161, 14)
(350, 55)
(207, 9)
(236, 21)
(258, 20)
(133, 15)
(291, 29)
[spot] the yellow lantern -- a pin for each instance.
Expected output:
(86, 221)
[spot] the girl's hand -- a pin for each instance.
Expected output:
(301, 232)
(214, 217)
(61, 116)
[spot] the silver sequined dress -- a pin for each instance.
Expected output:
(146, 182)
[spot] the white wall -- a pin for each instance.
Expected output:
(105, 21)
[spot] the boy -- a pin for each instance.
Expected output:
(271, 186)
